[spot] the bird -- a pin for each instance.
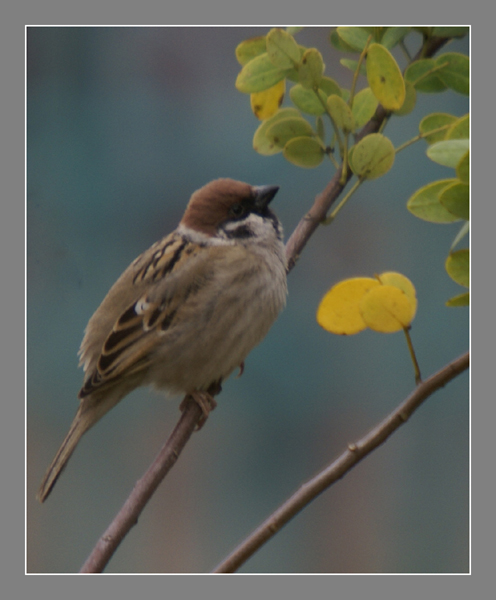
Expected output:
(185, 313)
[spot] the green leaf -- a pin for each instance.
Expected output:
(364, 106)
(385, 78)
(285, 129)
(458, 266)
(460, 129)
(461, 300)
(341, 113)
(410, 100)
(304, 152)
(456, 74)
(293, 74)
(354, 37)
(394, 35)
(449, 32)
(351, 64)
(249, 49)
(425, 204)
(424, 79)
(448, 152)
(293, 30)
(258, 75)
(455, 198)
(282, 49)
(261, 143)
(373, 156)
(463, 168)
(425, 31)
(329, 86)
(435, 121)
(461, 234)
(311, 69)
(338, 43)
(307, 101)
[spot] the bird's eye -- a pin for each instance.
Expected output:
(237, 210)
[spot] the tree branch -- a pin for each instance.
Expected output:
(341, 466)
(143, 490)
(192, 415)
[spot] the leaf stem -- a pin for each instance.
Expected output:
(352, 190)
(357, 71)
(416, 368)
(420, 136)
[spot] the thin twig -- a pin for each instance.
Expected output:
(341, 466)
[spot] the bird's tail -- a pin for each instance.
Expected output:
(78, 427)
(90, 411)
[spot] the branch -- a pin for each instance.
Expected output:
(341, 466)
(127, 517)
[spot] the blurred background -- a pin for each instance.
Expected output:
(123, 124)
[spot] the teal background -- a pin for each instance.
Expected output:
(123, 124)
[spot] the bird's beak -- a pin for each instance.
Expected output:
(264, 194)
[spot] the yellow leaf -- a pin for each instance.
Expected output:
(385, 78)
(386, 309)
(339, 312)
(265, 104)
(404, 284)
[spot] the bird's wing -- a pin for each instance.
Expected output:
(161, 280)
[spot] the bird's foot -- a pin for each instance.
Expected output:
(205, 401)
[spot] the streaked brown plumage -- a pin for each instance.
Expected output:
(187, 311)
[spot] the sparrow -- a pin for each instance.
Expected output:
(186, 313)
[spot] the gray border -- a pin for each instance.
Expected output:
(12, 212)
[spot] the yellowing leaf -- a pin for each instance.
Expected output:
(265, 104)
(339, 312)
(386, 309)
(403, 283)
(373, 156)
(385, 78)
